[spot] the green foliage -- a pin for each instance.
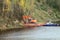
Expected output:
(52, 3)
(42, 8)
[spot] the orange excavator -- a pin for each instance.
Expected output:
(30, 22)
(28, 19)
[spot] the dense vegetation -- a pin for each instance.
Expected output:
(41, 10)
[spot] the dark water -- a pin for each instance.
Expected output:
(37, 33)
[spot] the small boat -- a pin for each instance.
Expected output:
(51, 25)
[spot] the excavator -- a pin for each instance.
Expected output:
(31, 22)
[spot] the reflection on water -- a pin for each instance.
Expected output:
(30, 39)
(38, 33)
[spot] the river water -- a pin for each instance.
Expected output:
(37, 33)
